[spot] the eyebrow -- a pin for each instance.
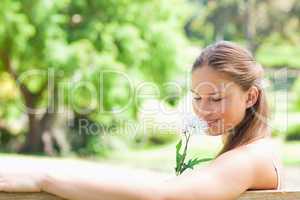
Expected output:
(206, 94)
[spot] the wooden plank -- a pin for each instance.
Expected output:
(28, 196)
(249, 195)
(271, 195)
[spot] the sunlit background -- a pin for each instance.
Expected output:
(108, 80)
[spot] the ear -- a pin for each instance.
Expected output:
(252, 96)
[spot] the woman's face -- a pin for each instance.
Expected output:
(217, 100)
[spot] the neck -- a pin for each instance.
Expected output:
(224, 137)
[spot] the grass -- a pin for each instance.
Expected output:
(291, 153)
(163, 159)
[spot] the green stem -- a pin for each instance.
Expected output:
(187, 138)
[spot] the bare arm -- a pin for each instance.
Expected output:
(110, 183)
(226, 178)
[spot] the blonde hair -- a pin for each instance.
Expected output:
(239, 64)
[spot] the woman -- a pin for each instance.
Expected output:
(226, 84)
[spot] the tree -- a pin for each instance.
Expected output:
(252, 22)
(51, 46)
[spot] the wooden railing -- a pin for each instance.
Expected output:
(27, 196)
(249, 195)
(271, 195)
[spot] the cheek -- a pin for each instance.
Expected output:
(234, 112)
(231, 112)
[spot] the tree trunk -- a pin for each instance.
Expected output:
(33, 138)
(33, 142)
(37, 125)
(39, 138)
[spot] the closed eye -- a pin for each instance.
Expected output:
(197, 98)
(218, 99)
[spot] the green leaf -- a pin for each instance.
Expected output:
(179, 157)
(178, 163)
(178, 146)
(197, 161)
(203, 160)
(192, 162)
(184, 167)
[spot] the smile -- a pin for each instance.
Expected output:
(212, 122)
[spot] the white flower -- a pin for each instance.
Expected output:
(192, 124)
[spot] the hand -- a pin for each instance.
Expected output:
(20, 178)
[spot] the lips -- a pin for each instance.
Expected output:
(212, 122)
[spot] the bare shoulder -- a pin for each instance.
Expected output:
(253, 162)
(238, 165)
(232, 173)
(256, 151)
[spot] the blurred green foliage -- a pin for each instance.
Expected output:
(84, 56)
(270, 29)
(146, 141)
(278, 56)
(293, 133)
(73, 43)
(296, 92)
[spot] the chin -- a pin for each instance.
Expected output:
(212, 132)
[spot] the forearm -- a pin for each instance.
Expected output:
(108, 188)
